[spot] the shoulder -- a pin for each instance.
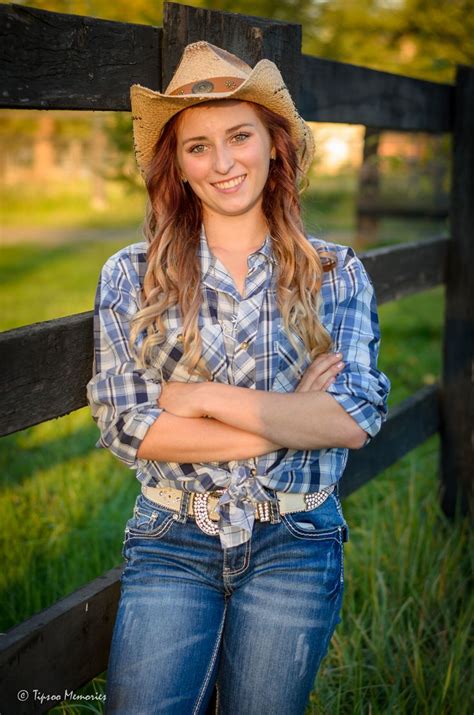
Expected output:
(343, 253)
(126, 267)
(350, 273)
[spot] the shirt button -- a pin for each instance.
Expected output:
(253, 472)
(244, 345)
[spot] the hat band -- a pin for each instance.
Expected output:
(208, 86)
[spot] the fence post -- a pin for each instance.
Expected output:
(457, 393)
(250, 38)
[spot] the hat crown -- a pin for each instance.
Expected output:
(202, 60)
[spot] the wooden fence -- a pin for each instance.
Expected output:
(58, 61)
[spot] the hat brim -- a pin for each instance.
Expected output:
(151, 110)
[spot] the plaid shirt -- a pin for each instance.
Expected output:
(244, 344)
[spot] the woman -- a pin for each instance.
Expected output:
(235, 365)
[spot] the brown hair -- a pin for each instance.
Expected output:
(172, 229)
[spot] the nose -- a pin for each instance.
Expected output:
(223, 158)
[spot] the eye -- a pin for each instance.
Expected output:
(196, 146)
(242, 134)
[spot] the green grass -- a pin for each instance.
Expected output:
(45, 282)
(69, 206)
(329, 210)
(405, 641)
(402, 646)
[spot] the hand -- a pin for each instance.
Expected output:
(182, 399)
(321, 373)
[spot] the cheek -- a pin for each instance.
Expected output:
(262, 165)
(259, 159)
(196, 170)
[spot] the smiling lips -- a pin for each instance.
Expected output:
(231, 183)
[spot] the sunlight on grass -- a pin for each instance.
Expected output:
(62, 508)
(29, 293)
(69, 205)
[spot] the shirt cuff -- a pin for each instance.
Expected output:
(127, 434)
(363, 412)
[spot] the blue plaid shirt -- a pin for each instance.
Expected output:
(243, 343)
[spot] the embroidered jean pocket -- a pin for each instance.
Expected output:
(323, 522)
(149, 521)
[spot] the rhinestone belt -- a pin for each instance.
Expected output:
(202, 505)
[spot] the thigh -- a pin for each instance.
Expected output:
(280, 621)
(169, 622)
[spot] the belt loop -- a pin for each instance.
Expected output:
(183, 507)
(275, 516)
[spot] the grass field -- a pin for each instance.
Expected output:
(405, 641)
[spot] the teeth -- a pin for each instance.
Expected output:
(230, 184)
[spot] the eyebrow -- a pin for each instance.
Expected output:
(228, 131)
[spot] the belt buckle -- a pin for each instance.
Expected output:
(201, 512)
(263, 511)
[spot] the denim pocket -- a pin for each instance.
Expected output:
(149, 521)
(325, 521)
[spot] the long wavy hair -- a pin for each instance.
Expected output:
(172, 227)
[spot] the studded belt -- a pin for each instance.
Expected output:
(202, 505)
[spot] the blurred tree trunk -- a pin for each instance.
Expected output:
(97, 159)
(368, 193)
(43, 148)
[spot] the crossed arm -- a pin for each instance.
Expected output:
(249, 423)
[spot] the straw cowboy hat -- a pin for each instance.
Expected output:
(208, 72)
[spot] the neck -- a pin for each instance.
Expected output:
(235, 234)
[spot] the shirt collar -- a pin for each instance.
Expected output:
(208, 260)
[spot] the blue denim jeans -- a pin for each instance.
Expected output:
(254, 620)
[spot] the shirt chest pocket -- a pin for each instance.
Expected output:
(168, 358)
(292, 363)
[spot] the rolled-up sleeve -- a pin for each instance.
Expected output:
(360, 388)
(121, 395)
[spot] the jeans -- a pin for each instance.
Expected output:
(254, 620)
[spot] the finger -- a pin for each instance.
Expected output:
(324, 361)
(330, 382)
(318, 381)
(317, 374)
(318, 366)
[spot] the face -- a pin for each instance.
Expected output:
(224, 153)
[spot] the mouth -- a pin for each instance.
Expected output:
(230, 184)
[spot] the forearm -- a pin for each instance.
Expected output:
(187, 440)
(298, 420)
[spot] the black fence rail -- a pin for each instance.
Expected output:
(58, 61)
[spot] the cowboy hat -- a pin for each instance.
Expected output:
(208, 72)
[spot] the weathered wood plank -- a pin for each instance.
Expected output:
(100, 59)
(251, 38)
(62, 647)
(45, 367)
(340, 92)
(67, 645)
(404, 210)
(409, 424)
(50, 60)
(457, 405)
(406, 268)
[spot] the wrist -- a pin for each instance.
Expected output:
(208, 393)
